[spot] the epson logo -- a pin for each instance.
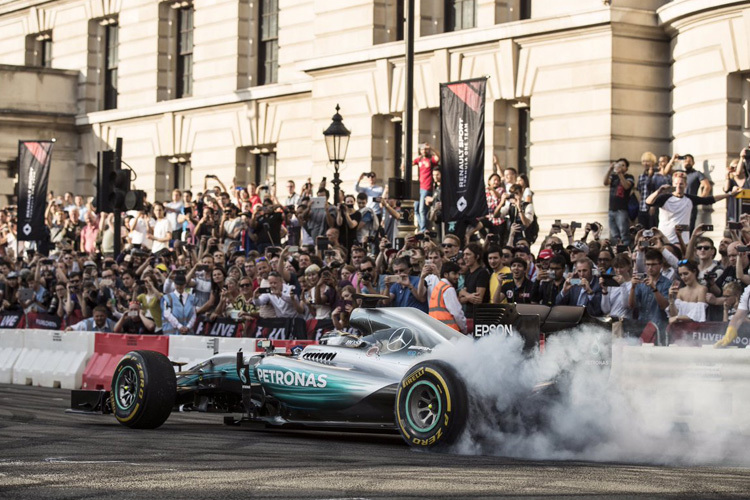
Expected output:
(291, 378)
(482, 330)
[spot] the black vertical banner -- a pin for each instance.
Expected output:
(34, 159)
(462, 149)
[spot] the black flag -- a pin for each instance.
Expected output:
(462, 149)
(33, 173)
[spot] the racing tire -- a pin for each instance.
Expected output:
(144, 390)
(431, 405)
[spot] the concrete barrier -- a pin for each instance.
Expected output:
(52, 358)
(701, 387)
(192, 349)
(11, 345)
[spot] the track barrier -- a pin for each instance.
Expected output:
(11, 345)
(701, 387)
(52, 358)
(109, 348)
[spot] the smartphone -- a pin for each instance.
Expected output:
(622, 248)
(202, 268)
(609, 280)
(293, 249)
(558, 222)
(670, 189)
(648, 233)
(46, 262)
(264, 289)
(643, 244)
(639, 276)
(419, 236)
(734, 226)
(575, 225)
(708, 227)
(400, 242)
(743, 248)
(322, 242)
(682, 228)
(377, 199)
(575, 281)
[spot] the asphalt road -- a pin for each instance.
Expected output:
(45, 453)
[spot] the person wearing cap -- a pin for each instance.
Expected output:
(178, 309)
(582, 289)
(443, 300)
(549, 283)
(372, 190)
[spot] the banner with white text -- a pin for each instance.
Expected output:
(34, 159)
(462, 149)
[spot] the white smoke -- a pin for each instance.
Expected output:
(593, 416)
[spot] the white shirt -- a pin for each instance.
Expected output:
(177, 206)
(282, 304)
(744, 299)
(675, 212)
(451, 300)
(162, 229)
(615, 302)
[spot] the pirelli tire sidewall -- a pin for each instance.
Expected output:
(441, 380)
(154, 392)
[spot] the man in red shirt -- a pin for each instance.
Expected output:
(426, 161)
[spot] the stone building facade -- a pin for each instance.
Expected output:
(244, 88)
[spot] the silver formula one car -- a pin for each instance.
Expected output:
(385, 379)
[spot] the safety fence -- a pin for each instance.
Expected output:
(87, 360)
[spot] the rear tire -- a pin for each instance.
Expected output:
(431, 405)
(144, 389)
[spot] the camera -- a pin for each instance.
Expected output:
(263, 290)
(367, 276)
(575, 225)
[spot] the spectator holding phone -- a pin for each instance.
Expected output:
(676, 206)
(650, 291)
(582, 289)
(403, 289)
(689, 302)
(372, 190)
(280, 296)
(620, 184)
(616, 288)
(134, 321)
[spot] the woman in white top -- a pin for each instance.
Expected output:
(689, 302)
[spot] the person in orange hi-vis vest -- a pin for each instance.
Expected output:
(444, 304)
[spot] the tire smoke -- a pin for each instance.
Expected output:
(566, 404)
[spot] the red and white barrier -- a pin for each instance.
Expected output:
(109, 348)
(52, 358)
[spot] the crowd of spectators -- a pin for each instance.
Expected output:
(250, 252)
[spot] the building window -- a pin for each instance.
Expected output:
(39, 49)
(524, 139)
(111, 60)
(525, 9)
(265, 168)
(460, 14)
(181, 173)
(389, 21)
(184, 72)
(268, 50)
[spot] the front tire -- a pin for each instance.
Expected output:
(431, 405)
(144, 389)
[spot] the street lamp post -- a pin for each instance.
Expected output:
(337, 141)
